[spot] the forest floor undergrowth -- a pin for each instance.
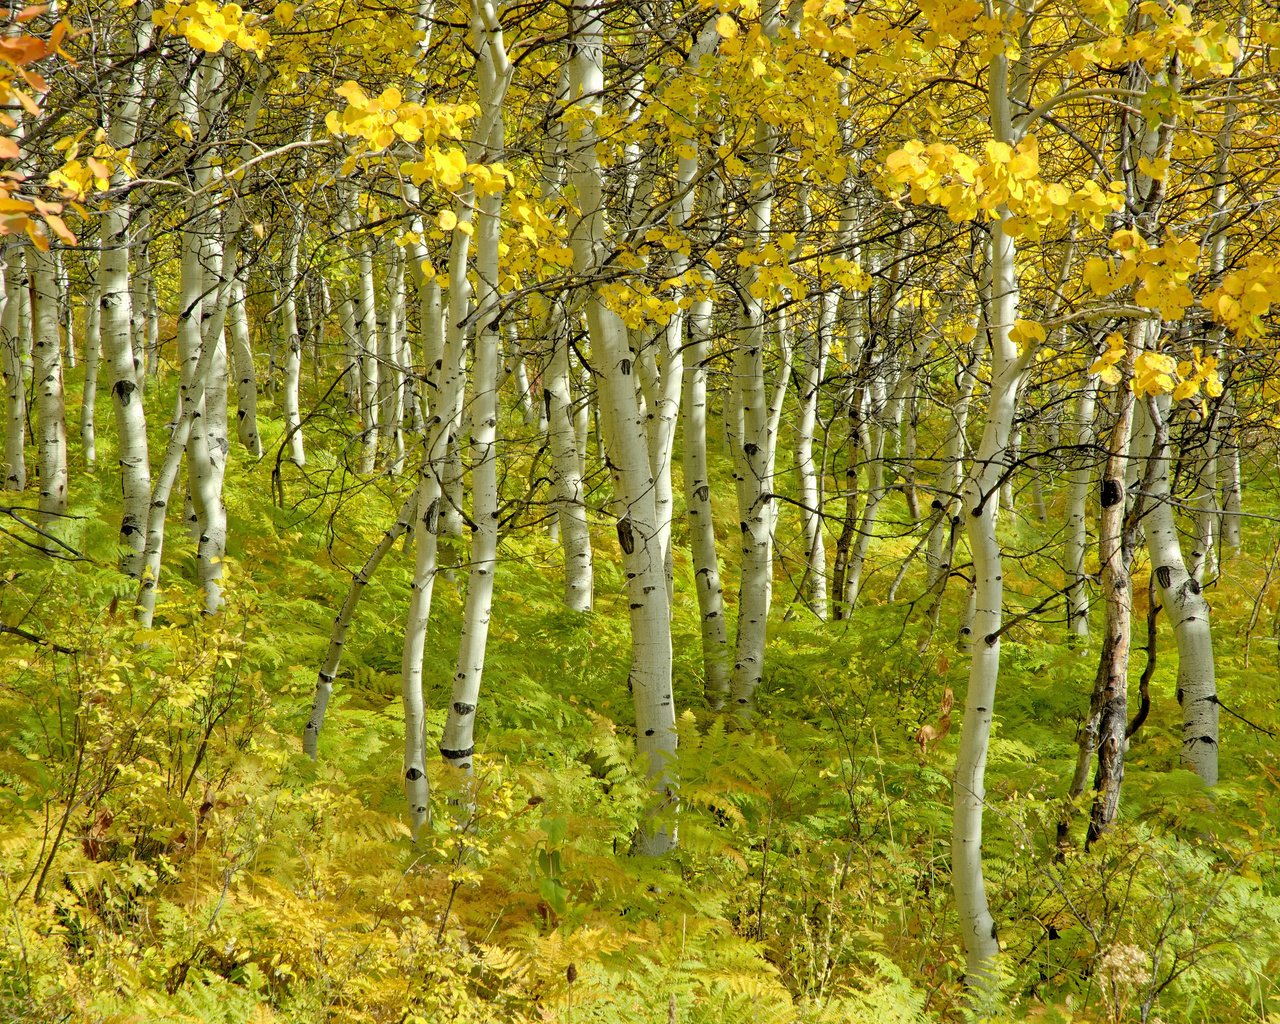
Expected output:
(169, 854)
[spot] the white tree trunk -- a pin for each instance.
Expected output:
(457, 745)
(812, 370)
(1229, 460)
(117, 343)
(391, 349)
(92, 361)
(947, 504)
(342, 623)
(571, 510)
(981, 507)
(370, 371)
(625, 433)
(756, 443)
(66, 310)
(293, 347)
(15, 420)
(246, 375)
(1186, 609)
(697, 482)
(1203, 553)
(51, 419)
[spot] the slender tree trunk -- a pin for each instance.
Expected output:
(1187, 611)
(66, 310)
(1109, 705)
(756, 444)
(370, 371)
(1229, 459)
(812, 369)
(15, 422)
(293, 346)
(981, 507)
(1203, 554)
(92, 361)
(949, 500)
(702, 538)
(571, 510)
(246, 374)
(51, 418)
(1077, 511)
(117, 343)
(457, 745)
(342, 623)
(625, 431)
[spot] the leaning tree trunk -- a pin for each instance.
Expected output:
(342, 623)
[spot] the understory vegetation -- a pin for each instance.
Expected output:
(169, 853)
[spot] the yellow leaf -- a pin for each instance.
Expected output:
(447, 220)
(1026, 332)
(726, 27)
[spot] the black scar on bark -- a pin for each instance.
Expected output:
(463, 709)
(702, 493)
(1164, 575)
(750, 448)
(453, 755)
(124, 390)
(648, 732)
(626, 536)
(413, 774)
(1112, 492)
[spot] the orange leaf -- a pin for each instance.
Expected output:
(9, 149)
(60, 228)
(31, 13)
(36, 82)
(20, 50)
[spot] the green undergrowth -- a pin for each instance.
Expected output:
(168, 854)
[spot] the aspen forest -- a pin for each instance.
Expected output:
(674, 511)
